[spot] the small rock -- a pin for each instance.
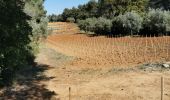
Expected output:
(166, 66)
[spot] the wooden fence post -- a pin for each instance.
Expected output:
(69, 93)
(162, 88)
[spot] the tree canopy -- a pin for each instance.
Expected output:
(18, 32)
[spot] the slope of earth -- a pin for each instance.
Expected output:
(77, 63)
(102, 51)
(100, 83)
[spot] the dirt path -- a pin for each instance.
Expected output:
(91, 75)
(101, 83)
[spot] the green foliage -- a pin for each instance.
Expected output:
(109, 8)
(103, 26)
(127, 16)
(103, 8)
(69, 19)
(55, 18)
(156, 22)
(73, 13)
(22, 24)
(38, 22)
(82, 12)
(96, 25)
(168, 23)
(14, 39)
(52, 18)
(127, 24)
(88, 25)
(91, 9)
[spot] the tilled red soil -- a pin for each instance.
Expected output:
(91, 74)
(104, 51)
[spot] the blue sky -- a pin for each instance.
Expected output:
(57, 6)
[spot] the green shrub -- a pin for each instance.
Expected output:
(55, 18)
(71, 20)
(103, 26)
(128, 24)
(168, 23)
(38, 22)
(96, 25)
(156, 22)
(80, 24)
(88, 25)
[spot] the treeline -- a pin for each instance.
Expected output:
(22, 24)
(120, 17)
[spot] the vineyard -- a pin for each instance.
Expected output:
(89, 67)
(85, 50)
(109, 51)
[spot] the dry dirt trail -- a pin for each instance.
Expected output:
(84, 64)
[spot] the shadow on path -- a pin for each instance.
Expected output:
(28, 85)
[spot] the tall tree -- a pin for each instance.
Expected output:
(111, 8)
(82, 12)
(22, 23)
(14, 39)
